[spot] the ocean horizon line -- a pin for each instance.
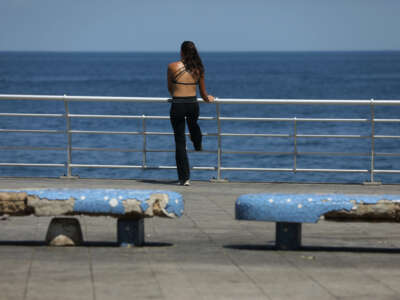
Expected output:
(202, 51)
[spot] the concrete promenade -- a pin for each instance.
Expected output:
(206, 254)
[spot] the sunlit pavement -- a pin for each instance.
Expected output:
(206, 254)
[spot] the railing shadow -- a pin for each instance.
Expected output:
(316, 249)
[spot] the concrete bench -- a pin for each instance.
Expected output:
(128, 205)
(289, 211)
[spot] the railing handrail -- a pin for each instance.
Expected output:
(218, 100)
(68, 132)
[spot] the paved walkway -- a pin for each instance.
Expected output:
(206, 254)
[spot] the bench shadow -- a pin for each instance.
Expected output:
(84, 244)
(115, 244)
(23, 243)
(315, 249)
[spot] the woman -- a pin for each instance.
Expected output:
(183, 77)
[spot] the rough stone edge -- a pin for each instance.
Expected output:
(382, 211)
(46, 207)
(31, 204)
(157, 204)
(14, 203)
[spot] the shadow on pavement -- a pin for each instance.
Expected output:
(23, 243)
(315, 249)
(115, 244)
(151, 181)
(84, 244)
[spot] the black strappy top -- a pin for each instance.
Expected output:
(179, 74)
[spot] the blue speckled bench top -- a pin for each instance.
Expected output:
(299, 208)
(109, 201)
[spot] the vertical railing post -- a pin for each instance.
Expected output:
(69, 138)
(372, 168)
(144, 141)
(219, 141)
(295, 145)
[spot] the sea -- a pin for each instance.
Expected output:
(361, 75)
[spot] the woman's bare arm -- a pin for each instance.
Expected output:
(203, 92)
(169, 79)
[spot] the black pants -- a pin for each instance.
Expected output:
(179, 112)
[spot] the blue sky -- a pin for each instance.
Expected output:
(225, 25)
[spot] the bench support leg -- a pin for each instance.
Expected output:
(288, 236)
(64, 232)
(130, 232)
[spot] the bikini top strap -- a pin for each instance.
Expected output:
(179, 73)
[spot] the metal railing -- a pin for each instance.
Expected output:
(218, 168)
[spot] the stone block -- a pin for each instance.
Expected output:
(64, 232)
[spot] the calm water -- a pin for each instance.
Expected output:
(298, 75)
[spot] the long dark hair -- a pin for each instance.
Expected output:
(191, 58)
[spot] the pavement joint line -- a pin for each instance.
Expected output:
(28, 275)
(92, 282)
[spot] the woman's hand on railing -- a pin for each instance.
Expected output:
(209, 98)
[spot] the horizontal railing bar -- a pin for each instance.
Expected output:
(31, 115)
(353, 136)
(387, 120)
(292, 119)
(204, 134)
(135, 167)
(334, 153)
(297, 135)
(187, 150)
(227, 100)
(30, 165)
(107, 166)
(201, 118)
(136, 117)
(105, 149)
(308, 101)
(298, 153)
(294, 170)
(387, 171)
(31, 148)
(203, 151)
(204, 168)
(32, 131)
(117, 116)
(387, 136)
(256, 134)
(197, 168)
(171, 133)
(387, 154)
(256, 152)
(256, 169)
(222, 168)
(132, 132)
(105, 132)
(133, 150)
(334, 170)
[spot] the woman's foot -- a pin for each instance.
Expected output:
(185, 182)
